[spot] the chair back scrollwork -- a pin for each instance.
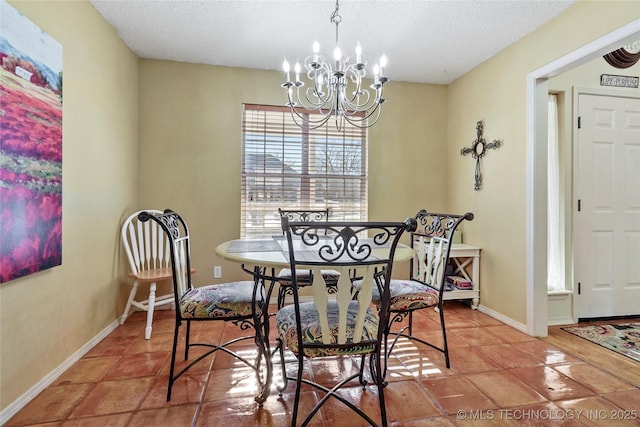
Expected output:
(305, 215)
(432, 242)
(179, 247)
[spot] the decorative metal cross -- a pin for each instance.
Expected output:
(478, 149)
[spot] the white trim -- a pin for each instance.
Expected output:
(536, 193)
(504, 319)
(47, 380)
(560, 308)
(553, 294)
(559, 321)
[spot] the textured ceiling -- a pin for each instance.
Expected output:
(425, 41)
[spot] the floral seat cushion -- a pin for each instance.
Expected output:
(406, 295)
(228, 300)
(311, 332)
(304, 277)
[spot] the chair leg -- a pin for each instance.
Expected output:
(285, 380)
(381, 386)
(173, 360)
(361, 379)
(385, 352)
(296, 402)
(150, 307)
(132, 295)
(187, 338)
(445, 346)
(444, 349)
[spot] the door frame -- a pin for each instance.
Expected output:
(576, 92)
(536, 167)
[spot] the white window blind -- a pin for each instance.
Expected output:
(284, 166)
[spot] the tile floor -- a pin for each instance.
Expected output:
(499, 376)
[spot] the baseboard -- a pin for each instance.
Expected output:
(504, 319)
(557, 321)
(7, 413)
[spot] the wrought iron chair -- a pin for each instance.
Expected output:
(241, 303)
(335, 324)
(431, 241)
(305, 277)
(148, 253)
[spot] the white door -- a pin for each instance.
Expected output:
(607, 240)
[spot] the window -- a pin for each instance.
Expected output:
(555, 265)
(285, 166)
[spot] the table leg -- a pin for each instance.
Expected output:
(261, 325)
(475, 275)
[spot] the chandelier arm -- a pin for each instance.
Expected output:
(299, 120)
(355, 76)
(366, 114)
(356, 105)
(321, 102)
(306, 101)
(317, 72)
(312, 102)
(325, 115)
(369, 101)
(292, 104)
(358, 122)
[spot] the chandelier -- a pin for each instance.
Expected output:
(335, 88)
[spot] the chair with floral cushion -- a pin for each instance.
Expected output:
(432, 242)
(305, 277)
(336, 324)
(242, 303)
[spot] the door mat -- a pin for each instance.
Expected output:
(623, 338)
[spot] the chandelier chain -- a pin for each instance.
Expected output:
(336, 19)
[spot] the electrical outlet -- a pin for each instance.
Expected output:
(217, 272)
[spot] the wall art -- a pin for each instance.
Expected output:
(30, 147)
(478, 150)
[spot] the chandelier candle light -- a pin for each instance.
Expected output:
(336, 88)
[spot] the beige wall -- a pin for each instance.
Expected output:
(190, 127)
(46, 317)
(495, 92)
(188, 118)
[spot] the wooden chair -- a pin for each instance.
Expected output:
(334, 324)
(147, 250)
(305, 277)
(242, 303)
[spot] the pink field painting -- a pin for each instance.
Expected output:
(30, 147)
